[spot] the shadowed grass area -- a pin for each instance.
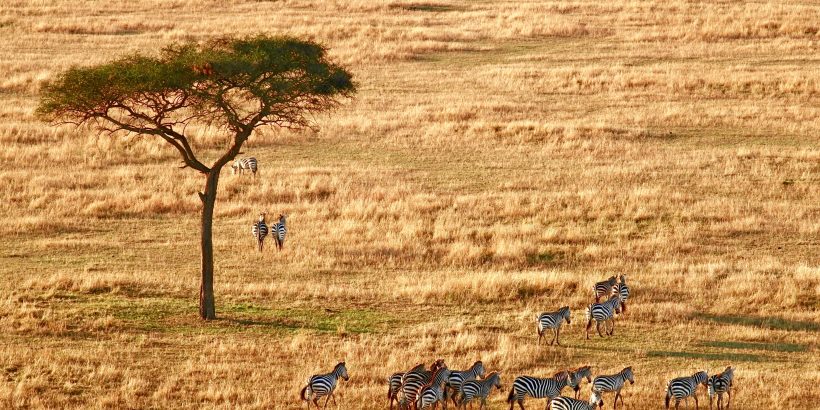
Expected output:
(768, 322)
(428, 7)
(774, 347)
(732, 357)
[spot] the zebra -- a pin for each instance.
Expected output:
(621, 290)
(552, 321)
(577, 376)
(603, 312)
(719, 384)
(568, 403)
(432, 393)
(278, 231)
(457, 378)
(394, 383)
(684, 387)
(603, 288)
(322, 385)
(537, 388)
(244, 163)
(479, 388)
(612, 383)
(260, 230)
(413, 381)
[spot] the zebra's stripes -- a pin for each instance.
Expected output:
(394, 383)
(603, 288)
(603, 313)
(552, 321)
(413, 381)
(260, 231)
(622, 291)
(537, 388)
(613, 383)
(480, 389)
(568, 403)
(577, 376)
(323, 385)
(244, 163)
(684, 387)
(719, 384)
(457, 379)
(279, 230)
(433, 392)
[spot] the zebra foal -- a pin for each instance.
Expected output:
(568, 403)
(681, 388)
(479, 389)
(603, 288)
(553, 321)
(718, 384)
(433, 393)
(613, 383)
(394, 383)
(457, 379)
(323, 385)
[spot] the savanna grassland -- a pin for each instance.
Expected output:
(498, 159)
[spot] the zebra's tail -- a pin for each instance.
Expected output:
(511, 396)
(623, 307)
(304, 393)
(668, 394)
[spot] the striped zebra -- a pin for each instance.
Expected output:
(568, 403)
(577, 376)
(719, 384)
(457, 378)
(622, 290)
(479, 389)
(612, 383)
(537, 388)
(432, 393)
(552, 321)
(278, 230)
(260, 231)
(603, 313)
(323, 385)
(413, 381)
(684, 387)
(244, 163)
(603, 288)
(394, 383)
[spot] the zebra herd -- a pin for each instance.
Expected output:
(421, 387)
(260, 228)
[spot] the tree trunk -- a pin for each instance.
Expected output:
(207, 305)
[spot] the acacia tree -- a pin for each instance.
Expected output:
(233, 84)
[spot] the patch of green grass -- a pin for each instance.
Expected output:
(767, 322)
(731, 357)
(775, 347)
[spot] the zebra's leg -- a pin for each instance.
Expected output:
(615, 402)
(696, 401)
(520, 404)
(598, 328)
(612, 332)
(327, 400)
(554, 335)
(316, 401)
(333, 396)
(540, 335)
(558, 336)
(589, 325)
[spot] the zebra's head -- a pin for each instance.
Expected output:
(494, 379)
(565, 313)
(579, 374)
(282, 218)
(439, 363)
(623, 278)
(612, 280)
(234, 166)
(478, 369)
(627, 374)
(701, 378)
(262, 216)
(594, 399)
(341, 371)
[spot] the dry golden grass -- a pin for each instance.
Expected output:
(499, 159)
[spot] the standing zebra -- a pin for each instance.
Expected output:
(567, 403)
(622, 291)
(457, 379)
(552, 321)
(479, 388)
(603, 312)
(278, 230)
(603, 288)
(260, 230)
(577, 376)
(394, 383)
(432, 393)
(413, 381)
(612, 383)
(322, 385)
(244, 163)
(537, 388)
(719, 384)
(684, 387)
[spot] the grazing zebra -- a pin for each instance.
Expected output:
(413, 381)
(622, 291)
(552, 321)
(322, 385)
(394, 383)
(278, 230)
(244, 163)
(577, 376)
(537, 388)
(457, 378)
(432, 393)
(684, 387)
(260, 230)
(612, 383)
(603, 312)
(568, 403)
(603, 288)
(479, 388)
(719, 384)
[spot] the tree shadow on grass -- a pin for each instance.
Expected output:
(767, 322)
